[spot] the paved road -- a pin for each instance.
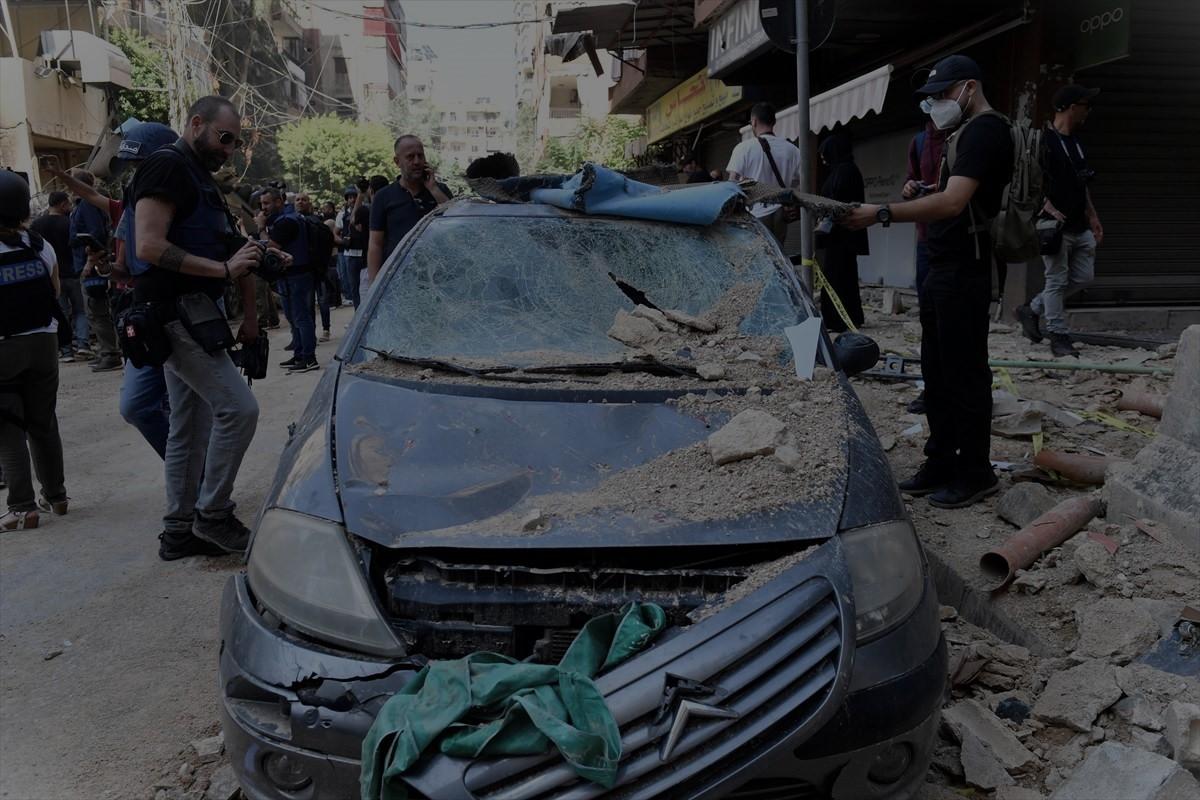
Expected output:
(137, 681)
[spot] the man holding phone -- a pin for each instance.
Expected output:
(396, 208)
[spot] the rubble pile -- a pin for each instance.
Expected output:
(1103, 701)
(201, 771)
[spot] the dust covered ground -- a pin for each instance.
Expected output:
(1109, 658)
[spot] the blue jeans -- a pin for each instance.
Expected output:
(348, 269)
(75, 309)
(298, 306)
(324, 293)
(144, 404)
(1067, 271)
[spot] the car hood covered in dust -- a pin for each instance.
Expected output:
(424, 465)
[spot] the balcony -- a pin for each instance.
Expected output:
(651, 75)
(565, 112)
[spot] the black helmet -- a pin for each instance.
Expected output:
(14, 198)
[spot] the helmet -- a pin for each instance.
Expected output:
(14, 198)
(143, 138)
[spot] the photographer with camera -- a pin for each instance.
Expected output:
(1070, 258)
(289, 232)
(183, 230)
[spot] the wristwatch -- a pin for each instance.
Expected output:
(884, 215)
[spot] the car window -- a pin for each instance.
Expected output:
(522, 291)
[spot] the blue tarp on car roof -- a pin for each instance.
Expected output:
(600, 190)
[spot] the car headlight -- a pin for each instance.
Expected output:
(303, 570)
(888, 575)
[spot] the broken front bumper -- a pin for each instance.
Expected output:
(780, 660)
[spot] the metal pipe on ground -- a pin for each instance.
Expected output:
(1124, 369)
(1044, 533)
(1076, 467)
(1142, 402)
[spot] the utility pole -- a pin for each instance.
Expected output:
(806, 226)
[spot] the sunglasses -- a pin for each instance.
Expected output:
(226, 138)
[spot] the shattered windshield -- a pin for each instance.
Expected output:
(530, 291)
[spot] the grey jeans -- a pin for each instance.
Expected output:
(213, 418)
(1068, 271)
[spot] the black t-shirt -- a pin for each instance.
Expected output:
(984, 152)
(1062, 162)
(395, 211)
(56, 229)
(164, 175)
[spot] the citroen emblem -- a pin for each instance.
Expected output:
(685, 698)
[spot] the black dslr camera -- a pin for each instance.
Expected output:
(270, 266)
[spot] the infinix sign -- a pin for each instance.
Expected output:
(735, 38)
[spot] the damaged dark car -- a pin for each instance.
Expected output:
(536, 417)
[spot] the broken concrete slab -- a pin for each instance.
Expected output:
(1005, 403)
(634, 331)
(1149, 740)
(1156, 685)
(1059, 416)
(1163, 482)
(655, 317)
(209, 749)
(789, 457)
(1024, 503)
(1021, 425)
(1114, 771)
(1115, 629)
(970, 716)
(980, 766)
(710, 372)
(1076, 696)
(223, 785)
(750, 433)
(1139, 711)
(1095, 562)
(1181, 726)
(689, 321)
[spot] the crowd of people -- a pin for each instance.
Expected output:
(147, 283)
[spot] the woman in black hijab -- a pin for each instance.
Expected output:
(842, 246)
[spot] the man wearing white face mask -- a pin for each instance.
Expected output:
(954, 308)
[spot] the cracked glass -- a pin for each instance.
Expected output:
(526, 291)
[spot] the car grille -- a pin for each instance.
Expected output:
(777, 669)
(777, 789)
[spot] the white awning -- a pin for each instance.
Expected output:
(852, 100)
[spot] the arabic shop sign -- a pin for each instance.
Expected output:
(695, 99)
(1092, 32)
(735, 38)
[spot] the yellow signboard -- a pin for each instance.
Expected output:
(690, 102)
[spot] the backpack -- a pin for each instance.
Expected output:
(320, 246)
(1014, 228)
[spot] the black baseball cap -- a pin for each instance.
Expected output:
(949, 71)
(1071, 94)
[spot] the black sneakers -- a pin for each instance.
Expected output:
(962, 492)
(304, 366)
(291, 362)
(1060, 345)
(228, 533)
(1029, 324)
(174, 546)
(929, 478)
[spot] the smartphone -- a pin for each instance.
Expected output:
(88, 241)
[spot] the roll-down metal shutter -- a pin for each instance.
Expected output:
(1143, 140)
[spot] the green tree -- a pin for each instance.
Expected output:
(149, 102)
(599, 141)
(323, 154)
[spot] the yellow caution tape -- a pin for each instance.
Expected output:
(822, 283)
(1039, 441)
(1004, 378)
(1114, 422)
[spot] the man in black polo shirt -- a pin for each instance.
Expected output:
(397, 207)
(954, 306)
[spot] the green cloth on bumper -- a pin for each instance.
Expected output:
(488, 704)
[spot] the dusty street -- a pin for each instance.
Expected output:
(107, 654)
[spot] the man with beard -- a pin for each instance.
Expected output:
(396, 208)
(182, 231)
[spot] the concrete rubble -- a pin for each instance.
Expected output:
(1061, 686)
(750, 433)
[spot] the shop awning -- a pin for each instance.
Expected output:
(852, 100)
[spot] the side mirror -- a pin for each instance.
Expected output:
(855, 352)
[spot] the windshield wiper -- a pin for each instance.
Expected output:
(498, 373)
(653, 367)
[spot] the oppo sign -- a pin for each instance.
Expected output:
(1098, 22)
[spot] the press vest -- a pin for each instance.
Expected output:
(26, 289)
